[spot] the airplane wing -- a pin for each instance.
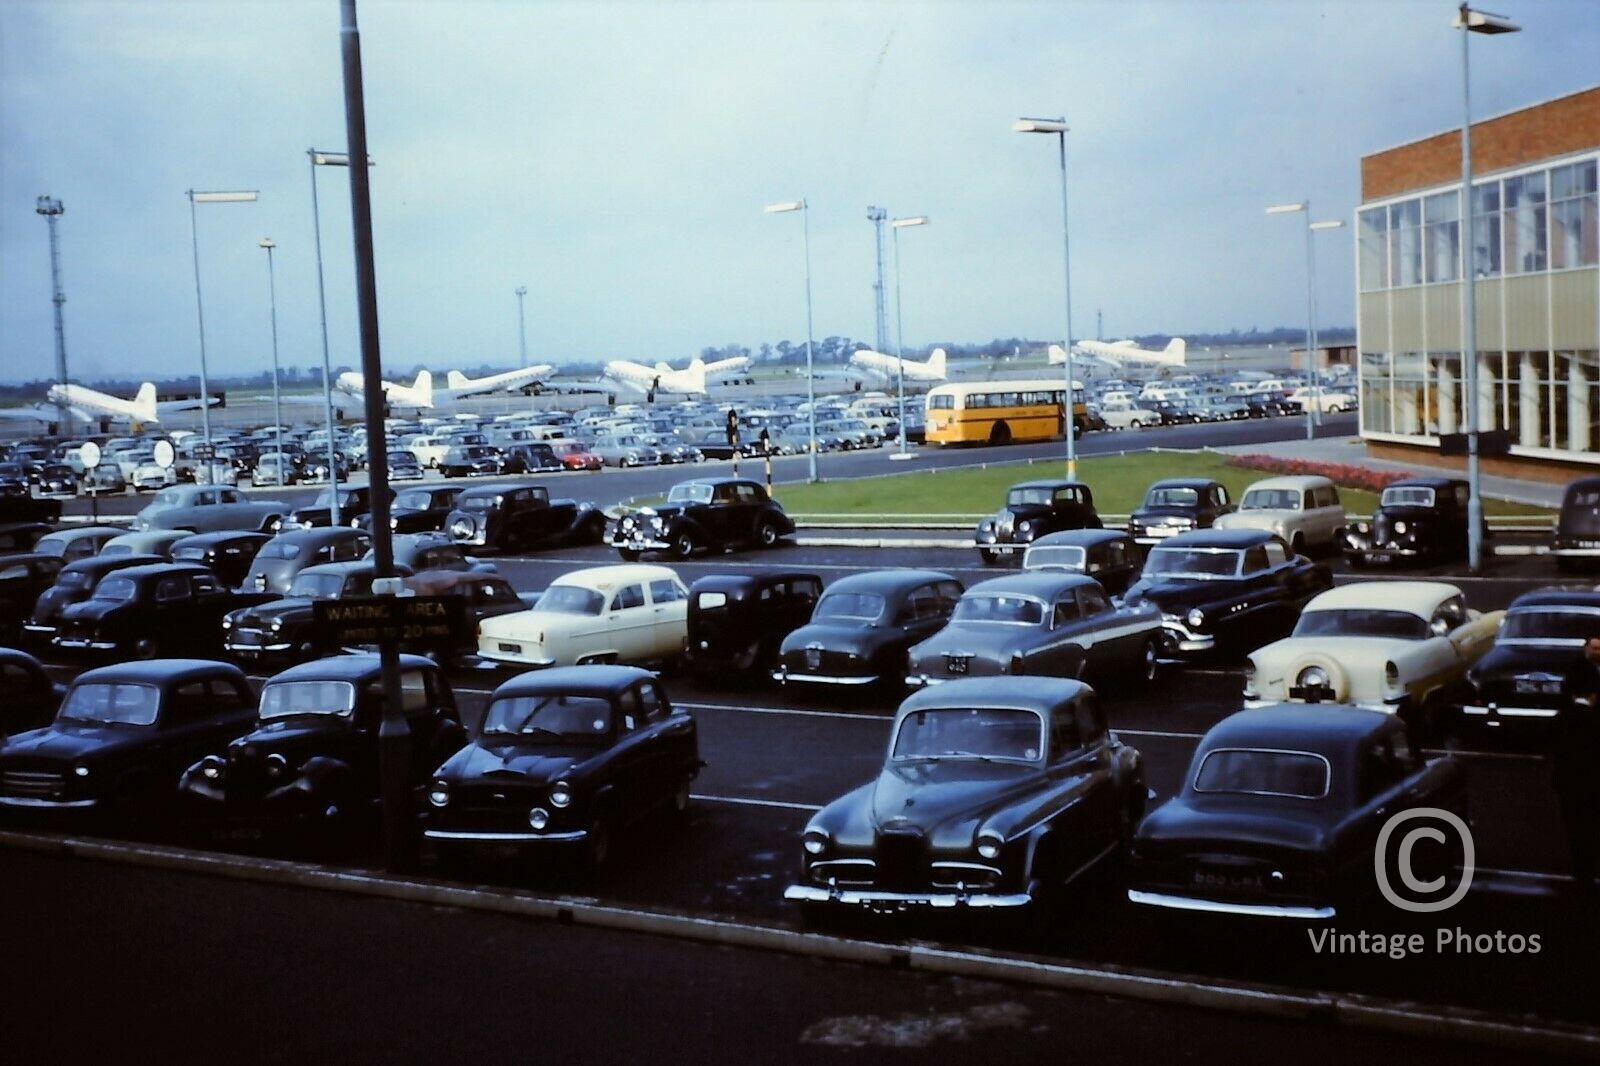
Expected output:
(34, 413)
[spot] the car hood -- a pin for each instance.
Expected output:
(1151, 514)
(295, 733)
(52, 601)
(68, 741)
(1539, 657)
(1218, 823)
(90, 610)
(1173, 595)
(986, 640)
(514, 761)
(932, 794)
(283, 610)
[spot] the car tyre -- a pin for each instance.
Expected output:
(767, 534)
(1149, 661)
(678, 805)
(683, 544)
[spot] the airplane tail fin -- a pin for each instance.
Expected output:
(1058, 355)
(424, 388)
(456, 380)
(144, 403)
(1175, 350)
(696, 376)
(936, 362)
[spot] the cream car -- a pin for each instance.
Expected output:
(630, 613)
(1386, 645)
(1304, 511)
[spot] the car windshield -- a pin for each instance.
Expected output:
(413, 501)
(1583, 498)
(865, 606)
(283, 699)
(1026, 497)
(1550, 623)
(112, 704)
(1263, 772)
(316, 586)
(73, 580)
(1013, 610)
(1051, 557)
(116, 589)
(1192, 562)
(1406, 496)
(1172, 498)
(477, 503)
(689, 494)
(1271, 500)
(552, 717)
(1362, 622)
(969, 733)
(571, 599)
(279, 550)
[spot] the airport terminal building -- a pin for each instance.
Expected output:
(1535, 228)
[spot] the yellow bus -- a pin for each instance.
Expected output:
(999, 412)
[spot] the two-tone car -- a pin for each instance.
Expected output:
(1032, 510)
(1419, 520)
(627, 613)
(1110, 556)
(1178, 505)
(710, 514)
(77, 542)
(274, 567)
(992, 791)
(1304, 510)
(513, 516)
(1525, 678)
(863, 626)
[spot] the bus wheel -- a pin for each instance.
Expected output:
(1000, 434)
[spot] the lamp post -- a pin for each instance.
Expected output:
(811, 377)
(1058, 127)
(277, 409)
(52, 210)
(899, 325)
(1314, 407)
(522, 325)
(244, 197)
(1469, 22)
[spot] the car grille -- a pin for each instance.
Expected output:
(902, 860)
(248, 637)
(38, 784)
(492, 809)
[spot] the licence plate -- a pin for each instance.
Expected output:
(1530, 685)
(515, 649)
(1211, 878)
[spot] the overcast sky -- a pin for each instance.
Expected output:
(615, 158)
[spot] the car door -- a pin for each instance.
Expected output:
(669, 618)
(1112, 647)
(1070, 776)
(629, 621)
(199, 718)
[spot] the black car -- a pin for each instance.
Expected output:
(1032, 510)
(565, 758)
(282, 630)
(1522, 682)
(1422, 520)
(1577, 536)
(23, 579)
(992, 790)
(471, 460)
(228, 552)
(864, 625)
(738, 621)
(56, 481)
(16, 505)
(1225, 589)
(281, 558)
(355, 503)
(1281, 813)
(432, 551)
(31, 697)
(715, 514)
(403, 466)
(21, 536)
(531, 458)
(1178, 505)
(311, 762)
(519, 517)
(420, 509)
(74, 583)
(123, 735)
(146, 611)
(1110, 556)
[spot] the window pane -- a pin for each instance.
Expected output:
(1442, 214)
(1524, 215)
(1486, 230)
(1374, 226)
(1405, 242)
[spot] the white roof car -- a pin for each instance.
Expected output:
(1391, 646)
(1304, 510)
(627, 613)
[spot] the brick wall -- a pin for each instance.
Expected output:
(1569, 124)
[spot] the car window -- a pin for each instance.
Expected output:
(629, 596)
(651, 702)
(204, 584)
(1066, 612)
(1380, 770)
(1277, 553)
(667, 591)
(949, 596)
(416, 691)
(14, 572)
(1063, 734)
(1092, 600)
(630, 715)
(806, 589)
(188, 703)
(1255, 560)
(171, 588)
(1449, 614)
(1091, 721)
(350, 549)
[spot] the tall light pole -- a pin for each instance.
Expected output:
(329, 159)
(899, 325)
(876, 216)
(1314, 407)
(245, 197)
(277, 401)
(1058, 127)
(811, 377)
(52, 210)
(522, 325)
(1470, 22)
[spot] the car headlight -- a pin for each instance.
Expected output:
(1313, 677)
(211, 767)
(815, 841)
(1196, 618)
(80, 770)
(227, 623)
(560, 794)
(538, 818)
(277, 624)
(627, 523)
(439, 794)
(276, 765)
(989, 844)
(1024, 526)
(394, 522)
(1400, 527)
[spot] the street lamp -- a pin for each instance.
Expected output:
(1058, 127)
(277, 409)
(52, 210)
(1470, 22)
(895, 227)
(811, 378)
(247, 197)
(1314, 407)
(522, 325)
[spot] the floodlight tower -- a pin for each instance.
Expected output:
(876, 216)
(52, 210)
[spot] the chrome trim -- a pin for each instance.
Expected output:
(236, 648)
(919, 680)
(783, 677)
(1210, 906)
(937, 900)
(1510, 712)
(26, 801)
(453, 834)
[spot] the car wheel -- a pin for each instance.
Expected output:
(1297, 544)
(1149, 662)
(146, 648)
(683, 544)
(767, 534)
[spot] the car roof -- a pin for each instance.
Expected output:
(1557, 598)
(1046, 584)
(714, 481)
(1290, 481)
(738, 583)
(1426, 483)
(1218, 538)
(1181, 483)
(597, 680)
(1419, 596)
(886, 580)
(20, 658)
(164, 568)
(1047, 483)
(1042, 694)
(160, 670)
(321, 535)
(80, 532)
(108, 563)
(346, 566)
(1081, 537)
(495, 488)
(358, 668)
(218, 536)
(1318, 727)
(606, 578)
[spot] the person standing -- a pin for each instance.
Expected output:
(1575, 764)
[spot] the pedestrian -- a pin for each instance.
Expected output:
(1575, 764)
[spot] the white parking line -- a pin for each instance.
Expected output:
(810, 808)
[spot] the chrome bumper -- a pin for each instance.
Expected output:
(80, 643)
(1495, 711)
(782, 676)
(1180, 638)
(504, 838)
(46, 804)
(904, 900)
(1247, 910)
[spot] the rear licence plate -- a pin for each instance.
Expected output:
(515, 649)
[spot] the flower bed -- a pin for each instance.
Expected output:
(1345, 475)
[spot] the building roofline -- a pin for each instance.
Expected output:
(1476, 122)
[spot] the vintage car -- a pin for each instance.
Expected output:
(1422, 520)
(992, 790)
(1304, 511)
(1281, 811)
(471, 460)
(715, 514)
(1178, 505)
(147, 611)
(1577, 534)
(311, 763)
(207, 508)
(104, 480)
(625, 450)
(419, 509)
(403, 466)
(531, 457)
(433, 551)
(274, 468)
(57, 482)
(281, 558)
(864, 625)
(628, 613)
(738, 621)
(23, 579)
(1225, 590)
(565, 757)
(156, 542)
(282, 630)
(1033, 509)
(519, 517)
(74, 583)
(21, 536)
(31, 697)
(1524, 677)
(1052, 624)
(80, 542)
(355, 503)
(1110, 556)
(574, 456)
(123, 735)
(228, 552)
(1395, 646)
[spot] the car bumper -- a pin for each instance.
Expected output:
(641, 544)
(1157, 534)
(82, 644)
(896, 902)
(34, 803)
(1298, 912)
(252, 651)
(468, 836)
(508, 657)
(1179, 641)
(1386, 706)
(1493, 711)
(782, 675)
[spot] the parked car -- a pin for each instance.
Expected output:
(355, 503)
(1305, 511)
(403, 466)
(1110, 556)
(519, 517)
(1420, 520)
(147, 611)
(105, 479)
(122, 736)
(77, 542)
(427, 450)
(1032, 510)
(1395, 646)
(1123, 414)
(992, 790)
(1225, 589)
(228, 553)
(531, 457)
(864, 625)
(574, 456)
(23, 579)
(737, 622)
(281, 558)
(1525, 677)
(208, 508)
(282, 630)
(419, 509)
(31, 697)
(628, 613)
(471, 460)
(311, 763)
(21, 536)
(1280, 814)
(74, 583)
(1178, 505)
(715, 514)
(432, 551)
(1051, 624)
(566, 758)
(626, 450)
(57, 482)
(1577, 534)
(274, 468)
(156, 542)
